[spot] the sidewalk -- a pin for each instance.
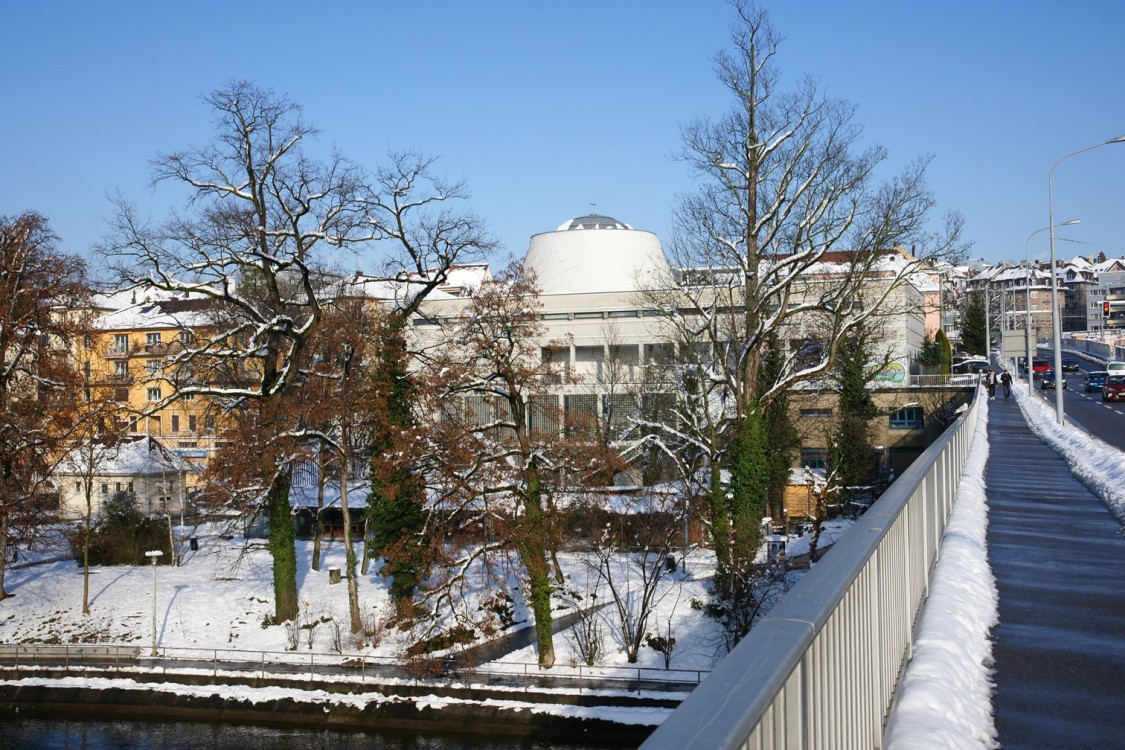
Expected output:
(1059, 561)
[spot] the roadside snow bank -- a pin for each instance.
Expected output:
(945, 698)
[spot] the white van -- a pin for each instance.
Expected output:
(1115, 368)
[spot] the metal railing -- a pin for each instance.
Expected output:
(316, 666)
(820, 670)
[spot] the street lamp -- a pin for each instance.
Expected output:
(1027, 298)
(1055, 322)
(154, 555)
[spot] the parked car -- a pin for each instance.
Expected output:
(1039, 365)
(1094, 381)
(1047, 381)
(970, 366)
(1069, 365)
(1114, 388)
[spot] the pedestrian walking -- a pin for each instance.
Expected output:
(1006, 381)
(990, 381)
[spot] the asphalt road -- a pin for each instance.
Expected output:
(1087, 410)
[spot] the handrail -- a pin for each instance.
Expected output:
(820, 670)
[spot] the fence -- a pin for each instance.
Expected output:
(318, 666)
(820, 670)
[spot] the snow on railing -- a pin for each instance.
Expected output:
(820, 669)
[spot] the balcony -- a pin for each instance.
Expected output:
(115, 352)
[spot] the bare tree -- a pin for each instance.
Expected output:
(503, 456)
(39, 382)
(634, 554)
(790, 230)
(263, 224)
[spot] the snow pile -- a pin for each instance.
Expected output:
(1097, 465)
(945, 699)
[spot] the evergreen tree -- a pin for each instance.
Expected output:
(973, 324)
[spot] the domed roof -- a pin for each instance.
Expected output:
(593, 221)
(606, 256)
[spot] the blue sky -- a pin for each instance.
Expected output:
(547, 108)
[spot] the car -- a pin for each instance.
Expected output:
(1094, 381)
(1069, 365)
(970, 366)
(1022, 364)
(1039, 365)
(1114, 388)
(1047, 381)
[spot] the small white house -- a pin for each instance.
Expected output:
(139, 464)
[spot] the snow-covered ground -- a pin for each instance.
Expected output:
(220, 597)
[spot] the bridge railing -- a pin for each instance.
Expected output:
(820, 670)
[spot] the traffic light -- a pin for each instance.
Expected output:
(1105, 309)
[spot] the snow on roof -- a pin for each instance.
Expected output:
(142, 456)
(803, 475)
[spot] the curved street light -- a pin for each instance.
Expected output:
(1055, 322)
(1027, 301)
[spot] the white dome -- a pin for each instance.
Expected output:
(595, 254)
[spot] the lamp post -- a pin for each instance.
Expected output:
(154, 555)
(1027, 297)
(1055, 322)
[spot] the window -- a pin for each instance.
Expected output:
(117, 487)
(152, 367)
(187, 337)
(187, 397)
(121, 343)
(816, 413)
(175, 423)
(623, 314)
(77, 486)
(907, 418)
(209, 422)
(814, 458)
(543, 414)
(105, 489)
(191, 423)
(152, 339)
(120, 369)
(559, 354)
(153, 394)
(588, 315)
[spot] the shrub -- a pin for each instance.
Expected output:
(123, 534)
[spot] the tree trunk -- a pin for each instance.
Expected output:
(87, 527)
(349, 550)
(282, 546)
(318, 527)
(533, 554)
(3, 552)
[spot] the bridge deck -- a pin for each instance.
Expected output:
(1059, 560)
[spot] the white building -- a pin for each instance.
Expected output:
(593, 273)
(140, 465)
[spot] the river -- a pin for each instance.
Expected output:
(67, 734)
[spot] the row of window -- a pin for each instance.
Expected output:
(905, 418)
(153, 339)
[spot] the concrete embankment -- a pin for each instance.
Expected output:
(532, 714)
